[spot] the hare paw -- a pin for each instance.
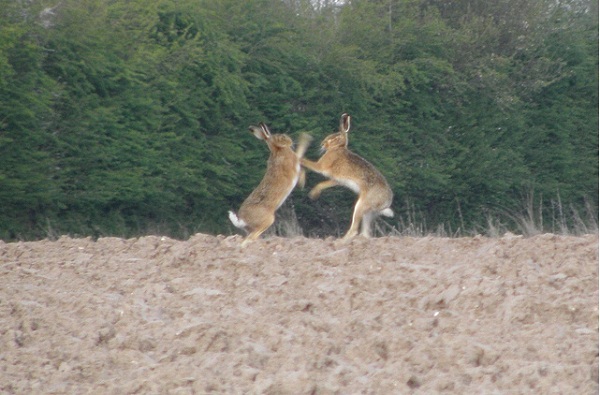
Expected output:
(314, 194)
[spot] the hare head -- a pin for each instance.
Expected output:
(274, 141)
(339, 139)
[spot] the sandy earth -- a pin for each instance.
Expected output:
(395, 315)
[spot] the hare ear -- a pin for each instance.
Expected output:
(345, 123)
(266, 131)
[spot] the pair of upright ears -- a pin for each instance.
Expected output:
(262, 131)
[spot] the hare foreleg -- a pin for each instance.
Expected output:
(310, 165)
(317, 189)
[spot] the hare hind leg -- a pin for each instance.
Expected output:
(357, 218)
(365, 224)
(259, 229)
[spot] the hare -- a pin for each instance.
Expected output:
(257, 212)
(343, 167)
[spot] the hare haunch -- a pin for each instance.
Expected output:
(257, 212)
(343, 167)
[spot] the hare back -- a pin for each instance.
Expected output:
(281, 141)
(270, 194)
(351, 170)
(278, 182)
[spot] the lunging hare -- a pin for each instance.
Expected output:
(257, 212)
(343, 167)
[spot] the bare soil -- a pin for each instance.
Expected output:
(393, 315)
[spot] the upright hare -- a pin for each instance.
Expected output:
(345, 168)
(257, 212)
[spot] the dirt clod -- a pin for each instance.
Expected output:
(385, 315)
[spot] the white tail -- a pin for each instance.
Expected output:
(388, 212)
(236, 221)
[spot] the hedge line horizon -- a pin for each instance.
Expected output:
(129, 118)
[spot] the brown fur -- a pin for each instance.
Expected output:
(257, 212)
(343, 167)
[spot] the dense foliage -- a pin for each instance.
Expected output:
(124, 118)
